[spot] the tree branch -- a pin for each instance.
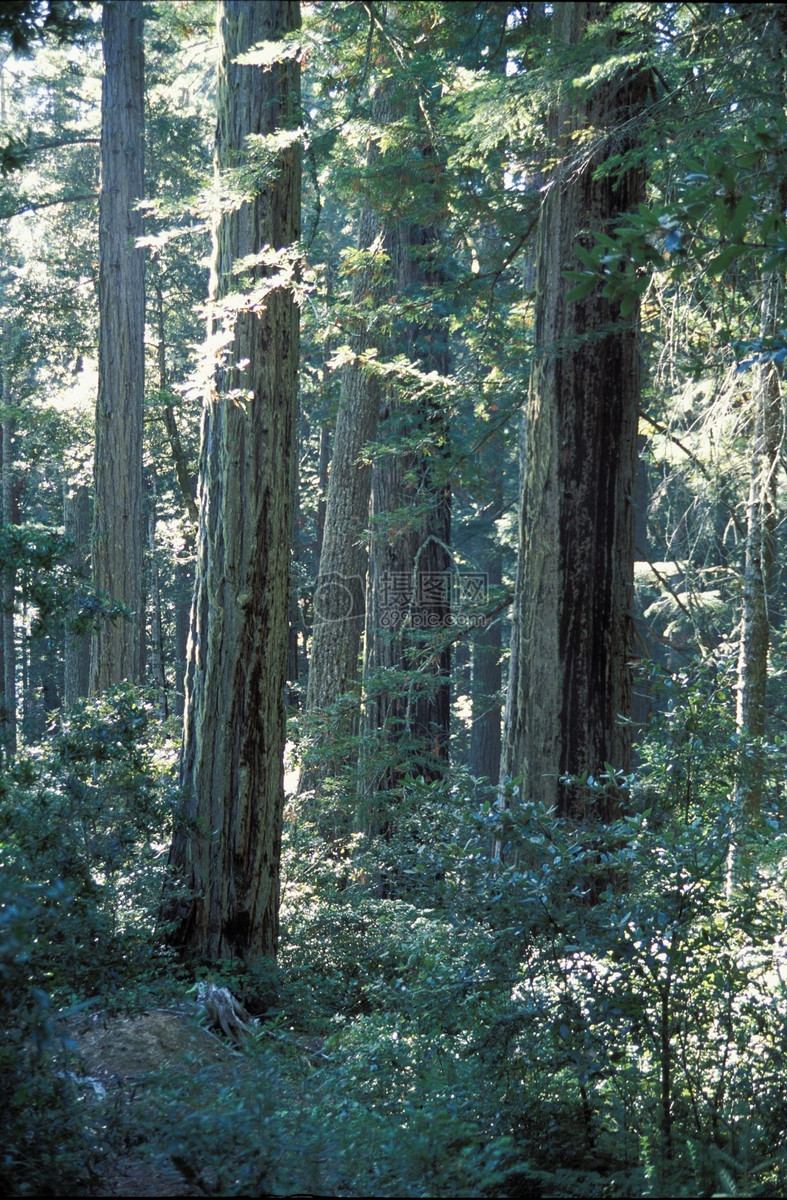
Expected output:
(35, 205)
(697, 463)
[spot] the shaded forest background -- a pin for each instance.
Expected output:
(506, 893)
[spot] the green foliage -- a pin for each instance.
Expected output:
(25, 22)
(47, 582)
(91, 809)
(579, 1009)
(46, 1148)
(587, 1012)
(236, 1131)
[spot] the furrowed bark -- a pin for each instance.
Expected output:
(231, 770)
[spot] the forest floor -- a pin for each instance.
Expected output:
(149, 1082)
(120, 1061)
(174, 1109)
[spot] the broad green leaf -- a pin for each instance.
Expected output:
(720, 263)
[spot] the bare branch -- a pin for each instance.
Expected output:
(35, 205)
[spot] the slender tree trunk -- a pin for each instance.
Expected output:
(485, 732)
(231, 767)
(182, 470)
(461, 698)
(142, 616)
(2, 659)
(761, 519)
(23, 674)
(156, 628)
(570, 679)
(291, 697)
(184, 579)
(76, 516)
(339, 596)
(761, 511)
(408, 611)
(10, 517)
(184, 590)
(46, 679)
(406, 664)
(325, 462)
(118, 530)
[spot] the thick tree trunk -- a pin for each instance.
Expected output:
(232, 757)
(76, 516)
(118, 530)
(570, 679)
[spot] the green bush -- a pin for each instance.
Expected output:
(578, 1008)
(46, 1146)
(91, 807)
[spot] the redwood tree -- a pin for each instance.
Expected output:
(118, 527)
(570, 679)
(231, 771)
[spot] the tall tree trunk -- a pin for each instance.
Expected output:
(406, 663)
(156, 628)
(184, 591)
(324, 464)
(184, 579)
(231, 768)
(76, 517)
(170, 421)
(118, 530)
(339, 597)
(485, 731)
(570, 679)
(291, 695)
(461, 703)
(408, 610)
(761, 518)
(761, 508)
(10, 517)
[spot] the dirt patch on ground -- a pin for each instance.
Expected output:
(122, 1049)
(116, 1064)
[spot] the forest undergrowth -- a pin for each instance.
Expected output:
(482, 1002)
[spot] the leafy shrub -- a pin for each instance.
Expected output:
(91, 807)
(46, 1147)
(240, 1127)
(591, 1011)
